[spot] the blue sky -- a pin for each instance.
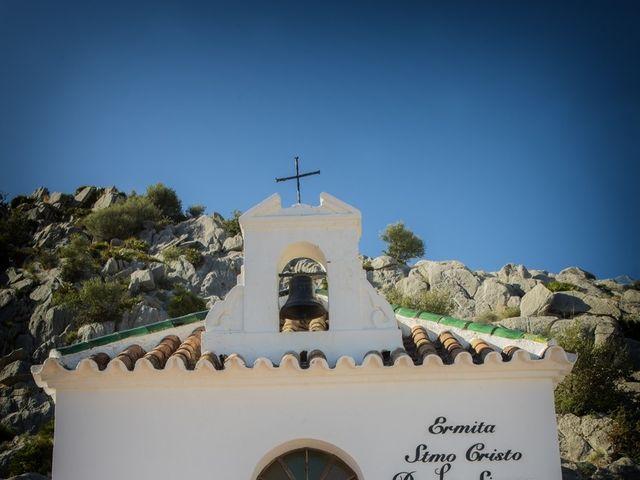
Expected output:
(497, 131)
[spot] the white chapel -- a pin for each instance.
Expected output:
(305, 372)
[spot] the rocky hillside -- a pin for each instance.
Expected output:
(66, 278)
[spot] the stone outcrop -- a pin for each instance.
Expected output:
(31, 323)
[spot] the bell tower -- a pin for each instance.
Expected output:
(247, 321)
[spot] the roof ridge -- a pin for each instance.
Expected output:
(133, 332)
(487, 328)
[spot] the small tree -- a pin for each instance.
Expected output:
(403, 244)
(166, 200)
(232, 225)
(196, 210)
(122, 220)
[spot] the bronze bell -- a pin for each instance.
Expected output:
(302, 303)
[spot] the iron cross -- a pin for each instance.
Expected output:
(297, 176)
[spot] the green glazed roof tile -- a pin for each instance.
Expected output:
(508, 333)
(133, 332)
(429, 316)
(536, 338)
(454, 322)
(481, 327)
(407, 312)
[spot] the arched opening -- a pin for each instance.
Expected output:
(303, 298)
(307, 464)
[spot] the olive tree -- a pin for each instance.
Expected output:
(403, 243)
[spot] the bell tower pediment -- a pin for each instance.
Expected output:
(247, 321)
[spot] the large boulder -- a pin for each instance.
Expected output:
(220, 274)
(15, 372)
(491, 296)
(584, 438)
(518, 276)
(93, 330)
(536, 301)
(141, 280)
(568, 304)
(204, 229)
(141, 315)
(47, 322)
(412, 285)
(86, 196)
(601, 329)
(536, 325)
(110, 197)
(55, 235)
(233, 244)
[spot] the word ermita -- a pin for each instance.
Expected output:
(439, 427)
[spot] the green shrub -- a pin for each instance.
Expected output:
(403, 243)
(194, 211)
(433, 301)
(35, 454)
(556, 286)
(366, 265)
(625, 431)
(193, 256)
(166, 200)
(593, 385)
(487, 317)
(79, 262)
(6, 433)
(122, 220)
(184, 302)
(232, 225)
(47, 259)
(71, 337)
(21, 200)
(95, 300)
(509, 312)
(16, 232)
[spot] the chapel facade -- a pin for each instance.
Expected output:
(306, 374)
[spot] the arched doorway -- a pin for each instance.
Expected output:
(307, 464)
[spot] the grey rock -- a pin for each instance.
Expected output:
(220, 274)
(536, 301)
(93, 330)
(574, 272)
(233, 244)
(55, 235)
(432, 271)
(205, 229)
(573, 302)
(140, 315)
(459, 277)
(621, 469)
(47, 322)
(601, 329)
(385, 278)
(158, 272)
(15, 372)
(582, 438)
(22, 286)
(518, 276)
(110, 267)
(87, 196)
(383, 261)
(108, 199)
(6, 297)
(183, 271)
(536, 325)
(41, 292)
(542, 275)
(492, 295)
(15, 355)
(141, 280)
(40, 194)
(413, 284)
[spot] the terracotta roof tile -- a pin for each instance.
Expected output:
(189, 350)
(130, 356)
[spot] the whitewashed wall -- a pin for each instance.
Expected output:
(231, 432)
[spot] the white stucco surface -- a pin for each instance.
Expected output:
(227, 432)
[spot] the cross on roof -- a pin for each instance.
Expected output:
(297, 176)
